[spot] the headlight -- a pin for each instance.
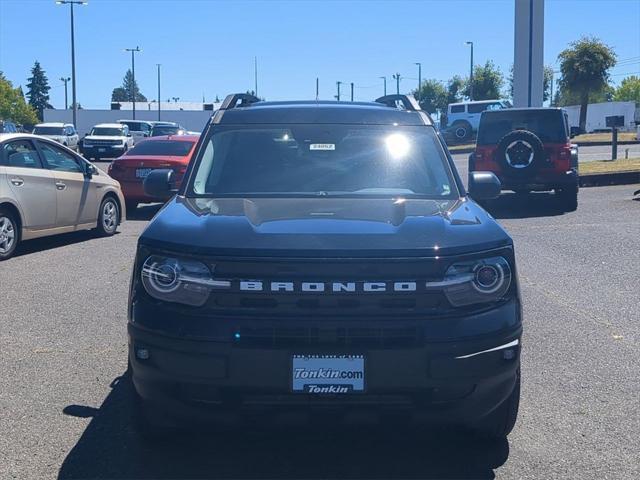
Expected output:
(176, 280)
(476, 281)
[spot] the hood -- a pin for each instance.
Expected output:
(317, 227)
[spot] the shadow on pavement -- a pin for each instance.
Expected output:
(110, 448)
(143, 213)
(537, 204)
(55, 241)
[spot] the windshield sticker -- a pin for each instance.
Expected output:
(322, 146)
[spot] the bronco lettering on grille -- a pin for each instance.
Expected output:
(320, 287)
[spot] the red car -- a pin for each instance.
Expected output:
(167, 151)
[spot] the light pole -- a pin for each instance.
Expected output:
(133, 74)
(255, 74)
(397, 77)
(338, 83)
(158, 65)
(419, 80)
(73, 55)
(470, 72)
(65, 80)
(352, 91)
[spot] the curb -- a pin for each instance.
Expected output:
(615, 178)
(606, 144)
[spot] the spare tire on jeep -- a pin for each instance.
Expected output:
(520, 152)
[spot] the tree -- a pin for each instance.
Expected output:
(13, 106)
(128, 90)
(547, 76)
(38, 89)
(584, 67)
(455, 87)
(564, 97)
(432, 95)
(487, 82)
(629, 90)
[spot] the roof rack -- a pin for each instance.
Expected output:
(245, 99)
(408, 102)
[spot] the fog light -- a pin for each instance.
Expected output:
(509, 354)
(142, 354)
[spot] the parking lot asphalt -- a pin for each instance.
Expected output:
(64, 410)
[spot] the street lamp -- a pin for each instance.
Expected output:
(73, 56)
(133, 74)
(65, 80)
(385, 85)
(419, 80)
(397, 78)
(470, 72)
(338, 83)
(158, 65)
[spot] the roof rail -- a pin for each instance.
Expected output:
(231, 101)
(408, 102)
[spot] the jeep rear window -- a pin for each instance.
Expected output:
(162, 147)
(347, 160)
(547, 125)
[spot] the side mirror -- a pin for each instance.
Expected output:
(91, 170)
(573, 131)
(159, 183)
(483, 185)
(129, 134)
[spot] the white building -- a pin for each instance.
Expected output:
(597, 112)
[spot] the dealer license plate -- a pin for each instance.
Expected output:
(143, 172)
(327, 374)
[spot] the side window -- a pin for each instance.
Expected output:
(59, 160)
(477, 107)
(457, 109)
(20, 154)
(145, 128)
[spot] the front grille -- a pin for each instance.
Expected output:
(328, 303)
(102, 143)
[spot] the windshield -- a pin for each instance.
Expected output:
(162, 147)
(137, 126)
(323, 160)
(107, 132)
(164, 130)
(548, 125)
(48, 131)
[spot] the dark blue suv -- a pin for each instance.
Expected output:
(324, 257)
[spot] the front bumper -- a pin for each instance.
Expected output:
(103, 151)
(436, 380)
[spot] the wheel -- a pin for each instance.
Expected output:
(109, 217)
(9, 234)
(131, 206)
(499, 423)
(462, 131)
(520, 153)
(568, 198)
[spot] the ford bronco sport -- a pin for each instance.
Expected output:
(529, 150)
(324, 256)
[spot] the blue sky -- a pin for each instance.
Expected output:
(207, 48)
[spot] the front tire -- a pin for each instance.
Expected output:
(462, 131)
(499, 423)
(9, 234)
(109, 217)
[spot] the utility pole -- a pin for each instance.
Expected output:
(338, 83)
(471, 72)
(352, 91)
(74, 105)
(158, 65)
(397, 77)
(317, 88)
(65, 80)
(419, 80)
(133, 74)
(255, 74)
(385, 85)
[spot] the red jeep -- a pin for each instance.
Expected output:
(528, 149)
